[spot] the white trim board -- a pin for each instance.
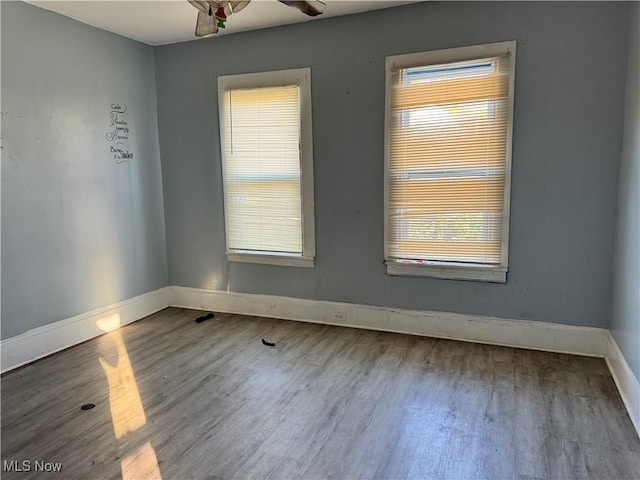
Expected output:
(48, 339)
(627, 383)
(550, 337)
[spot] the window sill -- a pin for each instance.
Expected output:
(272, 259)
(450, 272)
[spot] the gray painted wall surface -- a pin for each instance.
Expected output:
(78, 231)
(570, 79)
(625, 322)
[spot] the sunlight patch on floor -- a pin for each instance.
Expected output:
(141, 465)
(127, 412)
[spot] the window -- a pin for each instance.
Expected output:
(266, 139)
(448, 162)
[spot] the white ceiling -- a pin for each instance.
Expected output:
(158, 22)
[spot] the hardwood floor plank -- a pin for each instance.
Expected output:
(210, 401)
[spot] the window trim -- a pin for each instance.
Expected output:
(302, 78)
(450, 270)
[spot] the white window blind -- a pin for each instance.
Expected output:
(447, 162)
(262, 169)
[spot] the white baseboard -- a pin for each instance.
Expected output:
(42, 341)
(474, 328)
(627, 383)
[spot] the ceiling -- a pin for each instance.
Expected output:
(158, 22)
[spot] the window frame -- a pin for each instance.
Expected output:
(439, 269)
(302, 78)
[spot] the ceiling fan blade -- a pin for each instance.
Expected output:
(206, 24)
(214, 4)
(310, 7)
(238, 5)
(201, 5)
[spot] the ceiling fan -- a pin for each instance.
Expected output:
(212, 14)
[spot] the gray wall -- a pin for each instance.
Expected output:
(78, 230)
(570, 79)
(625, 322)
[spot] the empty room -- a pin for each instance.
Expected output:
(306, 240)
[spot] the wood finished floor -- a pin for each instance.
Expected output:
(210, 401)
